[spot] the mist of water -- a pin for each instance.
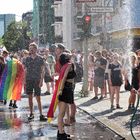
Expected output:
(129, 39)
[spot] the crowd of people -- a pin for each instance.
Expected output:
(111, 70)
(108, 70)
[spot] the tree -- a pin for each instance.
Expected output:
(1, 41)
(16, 37)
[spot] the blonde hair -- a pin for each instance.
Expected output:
(26, 52)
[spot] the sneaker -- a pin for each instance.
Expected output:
(15, 106)
(4, 102)
(95, 98)
(118, 107)
(112, 107)
(62, 136)
(47, 93)
(10, 105)
(43, 118)
(133, 107)
(129, 107)
(67, 135)
(101, 98)
(31, 117)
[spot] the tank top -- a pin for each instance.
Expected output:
(72, 73)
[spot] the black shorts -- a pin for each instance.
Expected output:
(32, 86)
(48, 79)
(67, 95)
(116, 82)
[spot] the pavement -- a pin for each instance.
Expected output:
(118, 120)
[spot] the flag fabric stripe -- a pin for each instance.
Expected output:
(54, 101)
(7, 82)
(11, 81)
(3, 80)
(18, 83)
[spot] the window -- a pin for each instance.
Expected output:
(58, 19)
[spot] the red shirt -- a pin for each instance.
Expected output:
(57, 66)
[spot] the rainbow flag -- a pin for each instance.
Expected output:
(12, 80)
(54, 101)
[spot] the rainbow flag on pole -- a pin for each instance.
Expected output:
(12, 80)
(54, 101)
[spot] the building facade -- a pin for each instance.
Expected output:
(52, 22)
(109, 29)
(5, 20)
(117, 29)
(43, 18)
(58, 22)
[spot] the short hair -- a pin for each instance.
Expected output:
(53, 45)
(34, 45)
(61, 46)
(25, 52)
(98, 53)
(5, 52)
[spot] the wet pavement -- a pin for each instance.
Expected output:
(94, 120)
(118, 120)
(15, 126)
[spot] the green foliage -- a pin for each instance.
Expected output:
(1, 42)
(16, 37)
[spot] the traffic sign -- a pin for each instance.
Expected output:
(100, 9)
(85, 0)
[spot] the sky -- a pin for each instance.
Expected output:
(17, 7)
